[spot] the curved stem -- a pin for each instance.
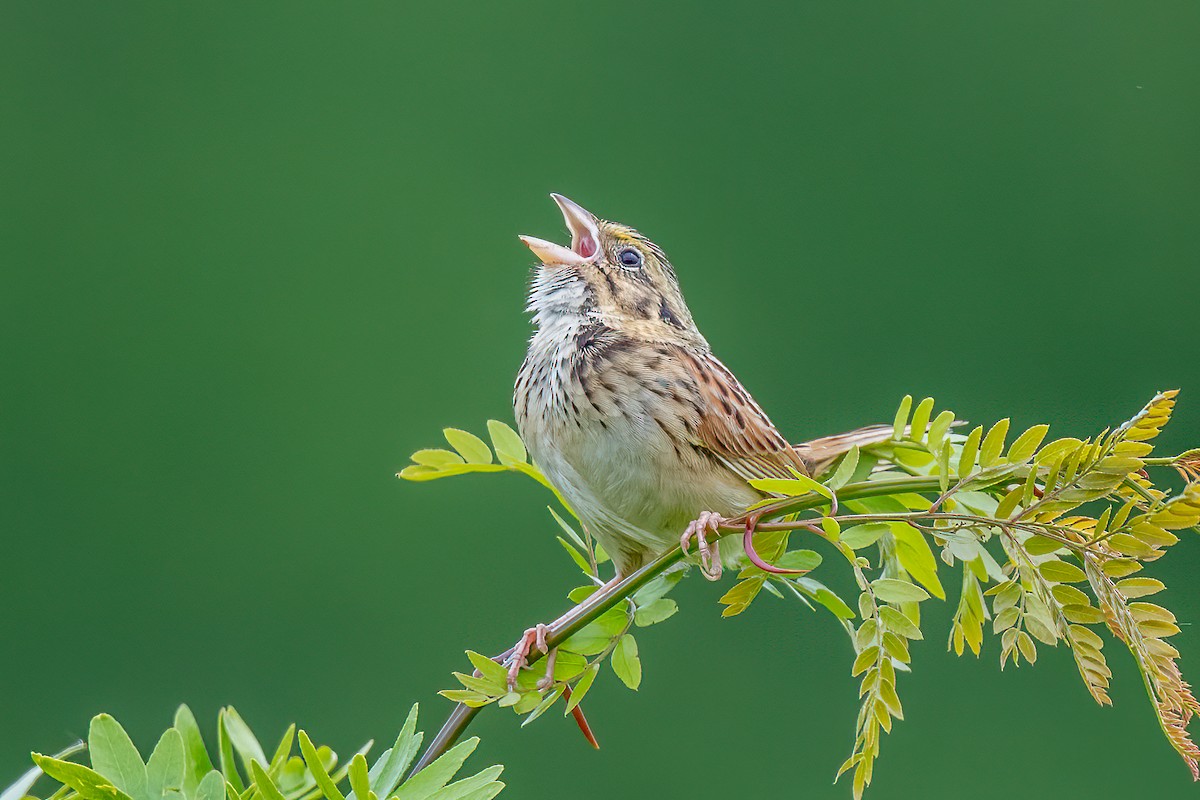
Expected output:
(615, 590)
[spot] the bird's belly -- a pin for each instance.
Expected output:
(633, 486)
(616, 449)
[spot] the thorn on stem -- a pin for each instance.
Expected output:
(581, 720)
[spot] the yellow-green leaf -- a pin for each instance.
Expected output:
(916, 557)
(740, 595)
(581, 688)
(861, 536)
(1061, 572)
(899, 624)
(1040, 545)
(993, 444)
(970, 449)
(799, 485)
(1008, 505)
(489, 669)
(509, 447)
(901, 420)
(1140, 587)
(920, 419)
(1027, 444)
(625, 662)
(939, 428)
(891, 590)
(473, 449)
(437, 458)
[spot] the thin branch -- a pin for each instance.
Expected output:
(615, 591)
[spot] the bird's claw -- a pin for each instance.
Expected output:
(547, 680)
(710, 558)
(533, 637)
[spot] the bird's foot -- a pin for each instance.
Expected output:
(533, 637)
(547, 680)
(698, 529)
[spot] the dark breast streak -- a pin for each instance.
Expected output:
(618, 376)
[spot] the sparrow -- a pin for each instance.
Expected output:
(627, 412)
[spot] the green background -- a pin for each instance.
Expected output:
(253, 255)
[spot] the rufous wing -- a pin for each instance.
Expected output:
(733, 426)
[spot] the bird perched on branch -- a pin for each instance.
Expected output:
(626, 410)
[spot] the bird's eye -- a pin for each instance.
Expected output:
(630, 258)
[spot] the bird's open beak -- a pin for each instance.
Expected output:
(585, 237)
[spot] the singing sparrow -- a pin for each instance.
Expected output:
(626, 410)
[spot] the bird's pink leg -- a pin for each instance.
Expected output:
(533, 637)
(517, 657)
(710, 558)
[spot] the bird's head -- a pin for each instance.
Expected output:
(610, 273)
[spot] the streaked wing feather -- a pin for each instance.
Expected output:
(733, 426)
(820, 454)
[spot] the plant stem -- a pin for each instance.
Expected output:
(615, 591)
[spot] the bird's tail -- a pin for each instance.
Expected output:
(819, 454)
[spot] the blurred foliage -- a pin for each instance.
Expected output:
(180, 768)
(1049, 538)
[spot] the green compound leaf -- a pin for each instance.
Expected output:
(263, 783)
(438, 459)
(477, 787)
(822, 594)
(393, 763)
(920, 420)
(429, 780)
(507, 443)
(1061, 572)
(738, 598)
(901, 421)
(211, 787)
(115, 757)
(90, 784)
(317, 768)
(861, 536)
(661, 609)
(805, 560)
(360, 782)
(581, 688)
(845, 469)
(939, 428)
(970, 450)
(993, 444)
(625, 662)
(899, 624)
(917, 557)
(282, 751)
(490, 670)
(165, 769)
(544, 705)
(198, 764)
(1027, 444)
(891, 590)
(1140, 587)
(242, 738)
(21, 787)
(793, 487)
(473, 449)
